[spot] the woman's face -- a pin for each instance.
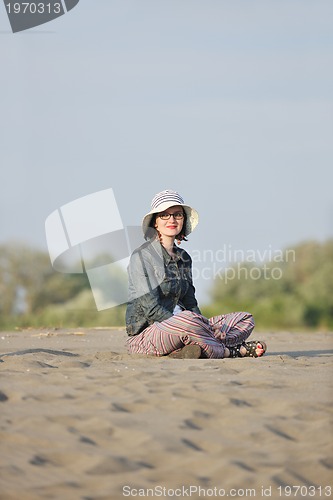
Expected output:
(173, 224)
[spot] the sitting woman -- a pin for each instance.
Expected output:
(162, 316)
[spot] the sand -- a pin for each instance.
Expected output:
(81, 419)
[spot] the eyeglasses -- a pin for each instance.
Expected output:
(176, 215)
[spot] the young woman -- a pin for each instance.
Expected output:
(162, 316)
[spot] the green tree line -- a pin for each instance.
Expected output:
(33, 294)
(298, 294)
(295, 291)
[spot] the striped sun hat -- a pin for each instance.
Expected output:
(166, 199)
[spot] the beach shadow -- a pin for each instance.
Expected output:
(33, 351)
(298, 354)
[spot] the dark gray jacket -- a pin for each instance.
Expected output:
(157, 283)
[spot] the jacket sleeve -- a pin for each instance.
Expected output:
(144, 289)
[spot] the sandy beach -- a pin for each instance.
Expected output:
(81, 419)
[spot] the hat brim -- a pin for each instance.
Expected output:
(192, 216)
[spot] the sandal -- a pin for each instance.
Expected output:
(250, 347)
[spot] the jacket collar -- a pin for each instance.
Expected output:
(158, 247)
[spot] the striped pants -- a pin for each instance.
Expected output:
(187, 327)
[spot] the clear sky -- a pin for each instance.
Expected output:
(230, 102)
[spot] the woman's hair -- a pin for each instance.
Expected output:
(180, 236)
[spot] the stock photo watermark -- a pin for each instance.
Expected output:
(87, 235)
(24, 15)
(229, 263)
(299, 491)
